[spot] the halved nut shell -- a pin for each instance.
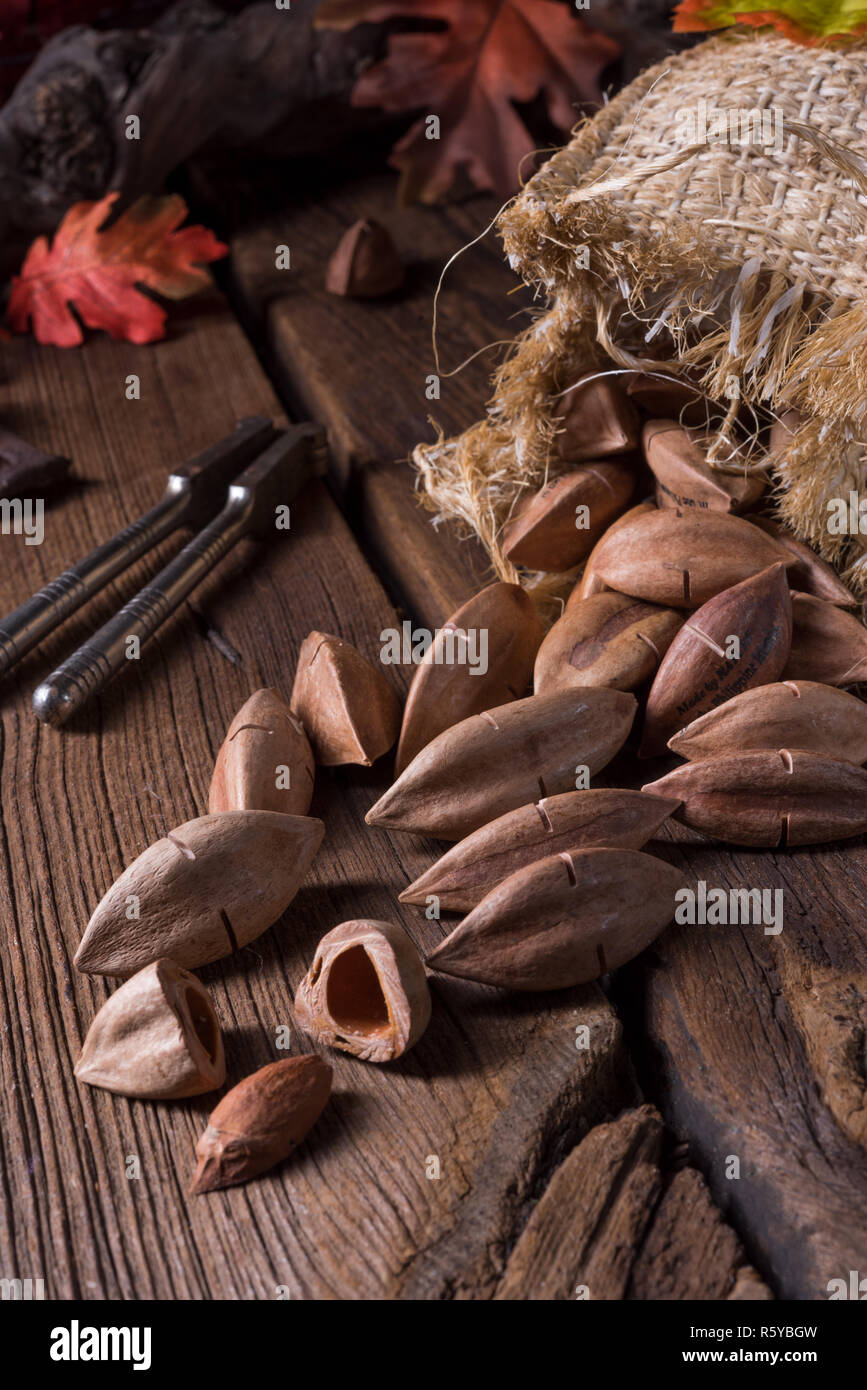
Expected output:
(156, 1038)
(265, 762)
(347, 707)
(556, 527)
(597, 419)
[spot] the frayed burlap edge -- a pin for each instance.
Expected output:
(653, 299)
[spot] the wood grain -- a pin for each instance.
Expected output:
(493, 1091)
(614, 1224)
(744, 1053)
(726, 1059)
(374, 403)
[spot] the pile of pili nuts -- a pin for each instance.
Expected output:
(734, 636)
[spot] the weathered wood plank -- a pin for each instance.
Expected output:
(726, 1060)
(374, 402)
(614, 1224)
(494, 1087)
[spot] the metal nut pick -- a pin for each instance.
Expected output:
(192, 498)
(272, 480)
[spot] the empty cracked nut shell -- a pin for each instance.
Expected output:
(366, 992)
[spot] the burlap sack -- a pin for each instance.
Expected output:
(743, 261)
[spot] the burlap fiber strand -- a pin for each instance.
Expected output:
(737, 260)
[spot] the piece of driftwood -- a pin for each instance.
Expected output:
(614, 1224)
(198, 77)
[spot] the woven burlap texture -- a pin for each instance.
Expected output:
(742, 261)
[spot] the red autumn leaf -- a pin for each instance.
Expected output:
(97, 271)
(492, 53)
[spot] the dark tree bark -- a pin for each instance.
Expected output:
(198, 78)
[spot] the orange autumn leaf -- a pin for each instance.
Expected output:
(803, 21)
(97, 271)
(489, 55)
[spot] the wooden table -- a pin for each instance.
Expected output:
(564, 1171)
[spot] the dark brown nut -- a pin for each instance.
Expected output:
(563, 921)
(365, 263)
(445, 691)
(787, 797)
(666, 397)
(737, 640)
(554, 529)
(684, 478)
(603, 817)
(260, 1121)
(810, 573)
(828, 645)
(597, 420)
(607, 639)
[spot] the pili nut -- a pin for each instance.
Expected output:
(787, 714)
(667, 397)
(596, 419)
(769, 797)
(366, 992)
(206, 889)
(564, 920)
(492, 762)
(683, 559)
(590, 583)
(265, 762)
(784, 427)
(447, 686)
(365, 263)
(810, 573)
(599, 817)
(738, 639)
(349, 710)
(828, 645)
(261, 1120)
(684, 478)
(556, 527)
(156, 1038)
(607, 639)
